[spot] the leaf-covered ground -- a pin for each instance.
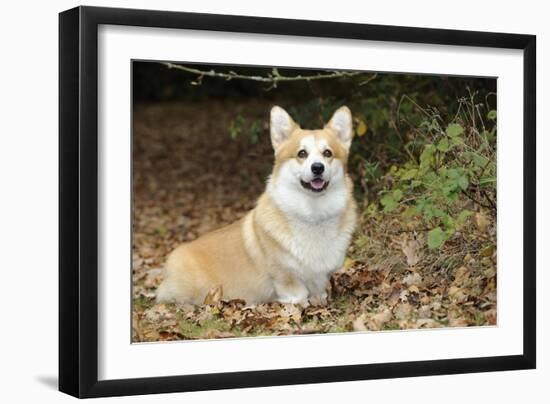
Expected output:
(190, 177)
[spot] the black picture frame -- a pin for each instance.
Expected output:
(78, 201)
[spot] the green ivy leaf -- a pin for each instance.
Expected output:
(443, 145)
(476, 158)
(436, 237)
(453, 173)
(454, 130)
(397, 195)
(388, 202)
(426, 158)
(492, 115)
(463, 182)
(409, 174)
(456, 141)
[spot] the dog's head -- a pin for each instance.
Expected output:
(311, 160)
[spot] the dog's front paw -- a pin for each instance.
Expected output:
(299, 300)
(319, 300)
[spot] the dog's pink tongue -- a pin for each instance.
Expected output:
(317, 183)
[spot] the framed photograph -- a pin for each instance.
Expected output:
(252, 201)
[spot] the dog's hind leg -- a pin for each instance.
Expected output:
(180, 283)
(176, 288)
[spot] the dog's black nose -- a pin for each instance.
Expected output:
(317, 168)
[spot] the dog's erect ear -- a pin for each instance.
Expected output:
(281, 126)
(342, 125)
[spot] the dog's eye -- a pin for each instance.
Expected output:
(327, 153)
(302, 154)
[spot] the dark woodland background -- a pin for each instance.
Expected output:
(423, 162)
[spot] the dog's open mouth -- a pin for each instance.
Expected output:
(315, 185)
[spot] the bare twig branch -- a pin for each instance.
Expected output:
(273, 78)
(369, 79)
(490, 206)
(489, 199)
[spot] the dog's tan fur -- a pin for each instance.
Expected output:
(259, 258)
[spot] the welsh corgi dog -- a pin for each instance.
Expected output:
(297, 235)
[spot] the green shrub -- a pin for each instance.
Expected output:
(452, 166)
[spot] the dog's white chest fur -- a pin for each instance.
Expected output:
(319, 237)
(317, 248)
